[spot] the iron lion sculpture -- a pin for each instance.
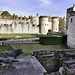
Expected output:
(13, 53)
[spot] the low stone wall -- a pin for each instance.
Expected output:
(52, 60)
(34, 40)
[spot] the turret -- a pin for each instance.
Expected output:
(44, 24)
(50, 23)
(69, 11)
(37, 15)
(73, 7)
(1, 10)
(55, 24)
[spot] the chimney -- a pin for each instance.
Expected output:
(73, 7)
(37, 15)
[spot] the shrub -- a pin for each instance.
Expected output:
(52, 40)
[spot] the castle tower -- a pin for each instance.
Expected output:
(35, 20)
(50, 23)
(34, 24)
(44, 24)
(69, 10)
(71, 27)
(1, 10)
(73, 7)
(55, 24)
(37, 15)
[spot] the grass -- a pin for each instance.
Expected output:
(14, 35)
(29, 48)
(26, 35)
(4, 48)
(26, 53)
(7, 48)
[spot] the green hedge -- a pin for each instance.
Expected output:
(3, 39)
(53, 40)
(64, 38)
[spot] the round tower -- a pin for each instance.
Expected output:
(35, 24)
(73, 7)
(1, 10)
(71, 27)
(69, 11)
(55, 24)
(44, 24)
(50, 23)
(71, 31)
(35, 20)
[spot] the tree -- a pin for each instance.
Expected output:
(62, 24)
(5, 13)
(14, 16)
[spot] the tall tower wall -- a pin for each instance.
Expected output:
(50, 23)
(35, 24)
(35, 20)
(71, 32)
(55, 24)
(74, 7)
(1, 10)
(71, 28)
(69, 11)
(44, 24)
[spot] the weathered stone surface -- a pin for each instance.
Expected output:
(72, 66)
(56, 60)
(28, 65)
(55, 73)
(71, 72)
(69, 62)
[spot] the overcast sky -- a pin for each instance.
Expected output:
(32, 7)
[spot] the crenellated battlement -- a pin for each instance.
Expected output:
(33, 24)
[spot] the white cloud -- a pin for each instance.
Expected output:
(45, 3)
(10, 2)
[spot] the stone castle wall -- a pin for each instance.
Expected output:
(35, 25)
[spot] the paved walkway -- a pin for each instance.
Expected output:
(28, 65)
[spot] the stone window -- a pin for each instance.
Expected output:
(19, 22)
(10, 24)
(27, 23)
(46, 24)
(33, 25)
(42, 19)
(5, 24)
(38, 25)
(71, 20)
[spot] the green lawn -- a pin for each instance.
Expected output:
(14, 35)
(28, 48)
(26, 35)
(4, 48)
